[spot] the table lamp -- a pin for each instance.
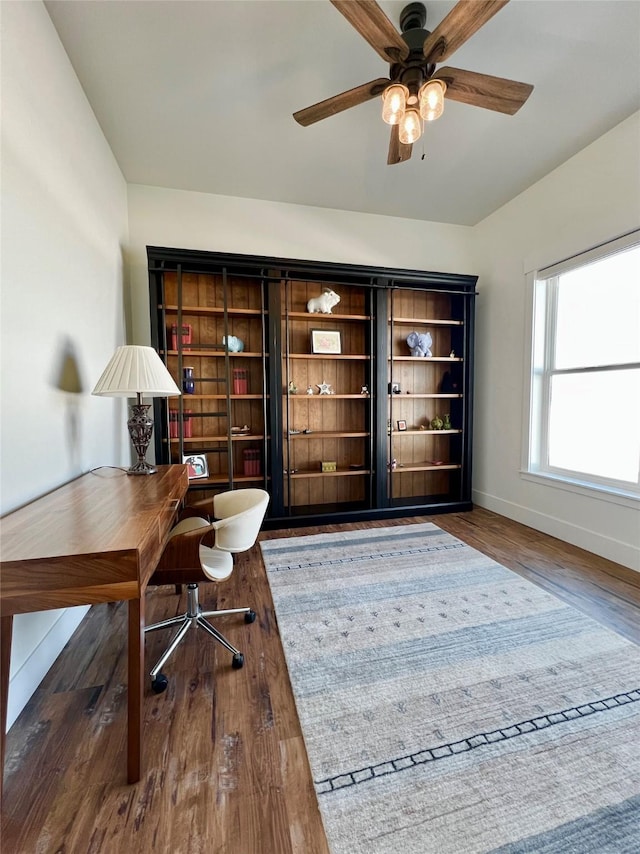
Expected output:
(135, 371)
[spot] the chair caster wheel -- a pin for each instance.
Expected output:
(250, 617)
(237, 661)
(159, 684)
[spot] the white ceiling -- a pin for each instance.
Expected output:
(200, 95)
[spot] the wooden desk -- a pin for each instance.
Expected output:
(95, 539)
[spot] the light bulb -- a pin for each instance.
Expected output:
(409, 129)
(394, 102)
(432, 99)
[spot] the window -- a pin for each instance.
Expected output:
(585, 379)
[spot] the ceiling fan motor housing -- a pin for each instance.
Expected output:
(413, 71)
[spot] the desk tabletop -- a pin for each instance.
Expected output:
(102, 530)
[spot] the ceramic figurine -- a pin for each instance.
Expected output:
(309, 390)
(233, 344)
(293, 388)
(437, 423)
(446, 422)
(324, 303)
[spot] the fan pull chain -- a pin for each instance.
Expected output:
(423, 153)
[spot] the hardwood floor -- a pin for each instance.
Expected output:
(225, 768)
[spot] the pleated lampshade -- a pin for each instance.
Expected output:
(134, 370)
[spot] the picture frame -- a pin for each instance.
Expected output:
(197, 465)
(402, 424)
(326, 342)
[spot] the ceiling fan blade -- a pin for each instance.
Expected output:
(398, 151)
(460, 24)
(374, 26)
(343, 101)
(483, 90)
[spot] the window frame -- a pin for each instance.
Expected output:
(542, 287)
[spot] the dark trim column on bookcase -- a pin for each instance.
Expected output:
(275, 384)
(380, 308)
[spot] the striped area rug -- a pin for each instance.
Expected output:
(448, 705)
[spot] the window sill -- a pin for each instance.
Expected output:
(602, 493)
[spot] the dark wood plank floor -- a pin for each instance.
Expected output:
(225, 768)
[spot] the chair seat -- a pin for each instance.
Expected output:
(217, 565)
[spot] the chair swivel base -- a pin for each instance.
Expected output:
(194, 618)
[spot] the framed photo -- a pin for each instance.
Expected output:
(326, 341)
(402, 425)
(197, 465)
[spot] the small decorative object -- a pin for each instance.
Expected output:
(452, 354)
(324, 388)
(446, 422)
(240, 381)
(326, 341)
(402, 425)
(252, 462)
(293, 432)
(185, 338)
(233, 344)
(293, 388)
(241, 431)
(309, 390)
(186, 424)
(197, 465)
(419, 343)
(364, 389)
(307, 430)
(188, 383)
(437, 423)
(328, 466)
(394, 388)
(393, 465)
(449, 384)
(324, 303)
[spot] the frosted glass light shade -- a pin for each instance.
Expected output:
(409, 129)
(432, 99)
(394, 102)
(135, 370)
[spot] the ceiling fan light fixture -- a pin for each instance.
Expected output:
(431, 96)
(410, 127)
(394, 103)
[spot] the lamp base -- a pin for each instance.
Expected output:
(140, 427)
(142, 467)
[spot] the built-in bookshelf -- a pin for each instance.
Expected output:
(297, 376)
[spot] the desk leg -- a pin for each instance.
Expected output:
(135, 690)
(6, 633)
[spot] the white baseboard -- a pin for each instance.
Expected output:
(27, 678)
(607, 547)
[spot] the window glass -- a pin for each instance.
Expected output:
(594, 424)
(598, 312)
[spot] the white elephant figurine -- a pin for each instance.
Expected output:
(420, 343)
(324, 303)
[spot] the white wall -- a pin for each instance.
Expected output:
(592, 198)
(187, 220)
(64, 222)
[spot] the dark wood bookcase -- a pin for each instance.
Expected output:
(329, 412)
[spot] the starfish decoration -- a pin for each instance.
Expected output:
(325, 388)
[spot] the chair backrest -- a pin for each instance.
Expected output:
(239, 515)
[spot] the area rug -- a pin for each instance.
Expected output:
(450, 706)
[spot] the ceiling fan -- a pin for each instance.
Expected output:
(414, 90)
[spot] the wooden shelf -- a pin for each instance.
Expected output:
(425, 321)
(423, 432)
(425, 359)
(339, 473)
(329, 318)
(405, 395)
(328, 435)
(187, 397)
(202, 440)
(426, 466)
(304, 396)
(203, 310)
(223, 479)
(193, 351)
(333, 356)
